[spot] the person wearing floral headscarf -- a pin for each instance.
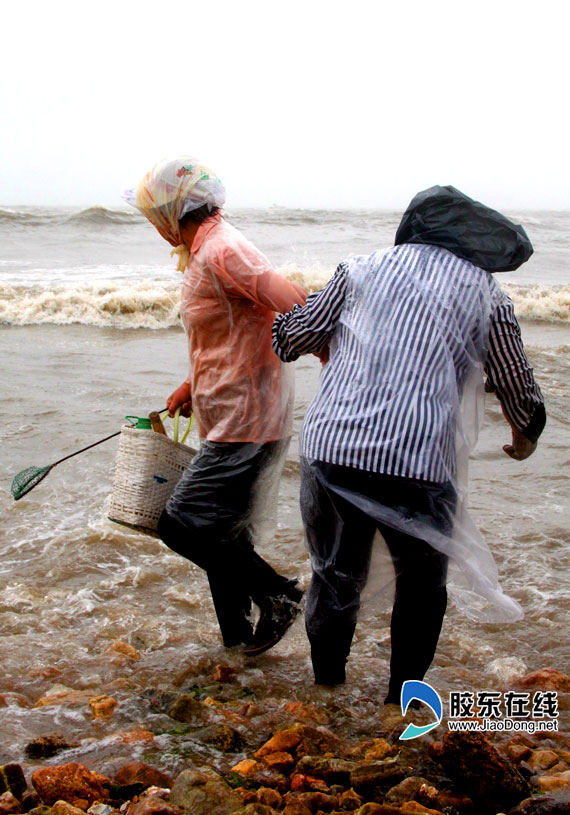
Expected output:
(241, 396)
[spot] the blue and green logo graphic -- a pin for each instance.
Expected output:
(413, 689)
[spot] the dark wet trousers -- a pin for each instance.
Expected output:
(210, 526)
(340, 536)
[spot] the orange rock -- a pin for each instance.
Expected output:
(137, 773)
(269, 797)
(14, 700)
(63, 808)
(62, 695)
(413, 808)
(541, 760)
(124, 649)
(379, 749)
(9, 804)
(308, 713)
(281, 762)
(131, 736)
(223, 673)
(72, 782)
(546, 783)
(44, 672)
(102, 707)
(281, 742)
(209, 700)
(246, 767)
(304, 783)
(547, 679)
(518, 752)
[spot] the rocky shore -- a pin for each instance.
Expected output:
(215, 747)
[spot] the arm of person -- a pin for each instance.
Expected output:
(246, 272)
(510, 376)
(308, 329)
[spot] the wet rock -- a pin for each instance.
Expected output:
(413, 808)
(138, 773)
(223, 673)
(100, 809)
(372, 808)
(29, 800)
(258, 809)
(62, 695)
(379, 750)
(222, 737)
(349, 800)
(518, 752)
(102, 706)
(204, 792)
(307, 713)
(296, 808)
(9, 804)
(12, 780)
(42, 809)
(46, 746)
(63, 808)
(448, 802)
(367, 778)
(132, 736)
(153, 805)
(14, 700)
(189, 710)
(72, 782)
(246, 767)
(159, 701)
(315, 740)
(269, 778)
(123, 649)
(306, 783)
(280, 762)
(541, 760)
(472, 761)
(406, 790)
(283, 741)
(547, 783)
(269, 797)
(546, 679)
(313, 801)
(556, 804)
(331, 770)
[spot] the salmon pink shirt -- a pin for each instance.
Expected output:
(241, 391)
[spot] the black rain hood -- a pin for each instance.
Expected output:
(444, 216)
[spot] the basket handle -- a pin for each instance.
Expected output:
(176, 427)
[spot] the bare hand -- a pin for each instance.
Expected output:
(521, 447)
(180, 398)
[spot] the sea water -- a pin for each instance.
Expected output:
(90, 332)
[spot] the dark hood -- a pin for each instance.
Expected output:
(444, 216)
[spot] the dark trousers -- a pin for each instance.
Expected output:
(207, 521)
(340, 533)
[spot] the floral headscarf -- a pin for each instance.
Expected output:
(173, 188)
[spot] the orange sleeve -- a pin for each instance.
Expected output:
(246, 272)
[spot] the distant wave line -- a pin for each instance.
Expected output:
(154, 304)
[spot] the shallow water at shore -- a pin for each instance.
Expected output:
(72, 583)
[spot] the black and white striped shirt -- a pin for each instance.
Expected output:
(407, 326)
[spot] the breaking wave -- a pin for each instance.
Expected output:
(154, 304)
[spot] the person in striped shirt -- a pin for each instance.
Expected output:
(406, 334)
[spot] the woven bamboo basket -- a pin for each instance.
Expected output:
(147, 468)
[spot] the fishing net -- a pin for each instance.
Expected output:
(27, 479)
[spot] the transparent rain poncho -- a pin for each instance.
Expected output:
(403, 395)
(241, 392)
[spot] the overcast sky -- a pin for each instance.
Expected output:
(300, 104)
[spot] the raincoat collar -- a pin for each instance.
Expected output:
(203, 230)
